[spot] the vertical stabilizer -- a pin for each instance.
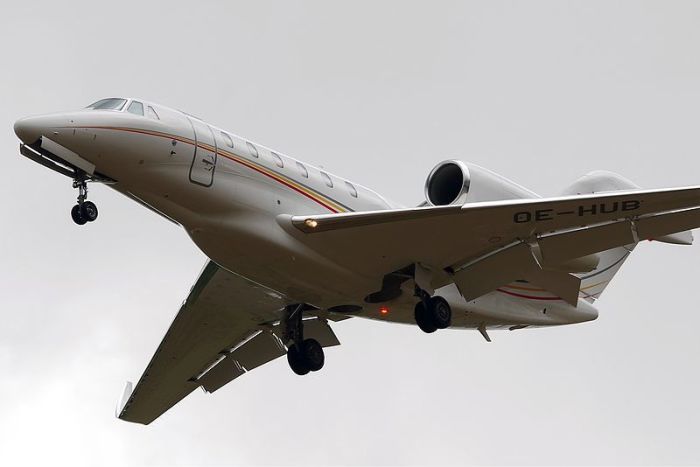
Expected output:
(593, 283)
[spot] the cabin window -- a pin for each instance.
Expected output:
(351, 189)
(135, 108)
(327, 179)
(227, 139)
(252, 150)
(302, 169)
(278, 160)
(151, 113)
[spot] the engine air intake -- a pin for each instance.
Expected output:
(447, 183)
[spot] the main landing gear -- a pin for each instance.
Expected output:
(432, 313)
(85, 211)
(303, 355)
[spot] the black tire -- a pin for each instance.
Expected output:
(77, 216)
(89, 211)
(440, 312)
(423, 318)
(296, 361)
(313, 354)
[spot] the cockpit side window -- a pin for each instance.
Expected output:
(135, 108)
(151, 113)
(111, 103)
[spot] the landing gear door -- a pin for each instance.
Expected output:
(204, 159)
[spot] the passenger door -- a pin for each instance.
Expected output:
(204, 159)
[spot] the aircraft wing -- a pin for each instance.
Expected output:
(482, 246)
(225, 328)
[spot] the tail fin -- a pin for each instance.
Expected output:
(594, 282)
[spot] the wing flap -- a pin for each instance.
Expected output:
(502, 267)
(566, 286)
(508, 265)
(561, 247)
(223, 373)
(665, 224)
(262, 348)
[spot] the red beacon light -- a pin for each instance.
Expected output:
(384, 310)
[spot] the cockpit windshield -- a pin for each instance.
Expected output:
(111, 103)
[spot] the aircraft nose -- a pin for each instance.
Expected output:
(30, 129)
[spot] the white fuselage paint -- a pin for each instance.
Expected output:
(227, 199)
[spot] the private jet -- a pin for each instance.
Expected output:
(293, 247)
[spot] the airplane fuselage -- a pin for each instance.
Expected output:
(227, 192)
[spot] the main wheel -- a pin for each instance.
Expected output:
(313, 354)
(440, 312)
(89, 211)
(296, 360)
(77, 215)
(423, 320)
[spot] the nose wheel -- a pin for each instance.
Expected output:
(85, 211)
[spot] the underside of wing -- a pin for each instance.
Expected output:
(481, 246)
(225, 328)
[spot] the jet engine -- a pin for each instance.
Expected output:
(447, 183)
(457, 182)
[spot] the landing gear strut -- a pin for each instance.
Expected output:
(432, 313)
(85, 211)
(303, 355)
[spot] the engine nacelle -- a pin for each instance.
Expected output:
(457, 182)
(447, 183)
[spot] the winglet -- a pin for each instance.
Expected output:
(126, 394)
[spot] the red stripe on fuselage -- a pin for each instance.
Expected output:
(252, 167)
(189, 141)
(529, 297)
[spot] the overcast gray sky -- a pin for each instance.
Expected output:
(379, 92)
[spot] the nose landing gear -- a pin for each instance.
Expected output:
(85, 211)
